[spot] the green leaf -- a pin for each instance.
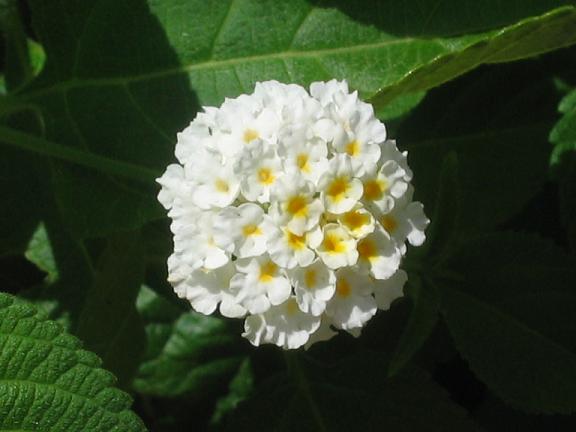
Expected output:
(40, 252)
(423, 319)
(127, 100)
(563, 161)
(445, 219)
(241, 387)
(22, 182)
(95, 302)
(47, 382)
(20, 200)
(23, 58)
(527, 38)
(108, 322)
(188, 353)
(487, 161)
(512, 319)
(352, 395)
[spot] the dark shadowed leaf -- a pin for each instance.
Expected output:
(94, 301)
(355, 395)
(188, 353)
(563, 136)
(512, 319)
(423, 318)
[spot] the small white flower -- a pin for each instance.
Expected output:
(359, 222)
(284, 325)
(357, 132)
(259, 167)
(205, 289)
(384, 186)
(323, 333)
(194, 243)
(314, 286)
(216, 184)
(244, 121)
(288, 249)
(305, 155)
(243, 227)
(353, 304)
(290, 208)
(378, 254)
(196, 137)
(259, 284)
(338, 248)
(386, 291)
(296, 208)
(173, 185)
(406, 221)
(340, 190)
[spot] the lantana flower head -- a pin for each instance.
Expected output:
(291, 210)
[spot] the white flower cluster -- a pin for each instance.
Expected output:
(290, 209)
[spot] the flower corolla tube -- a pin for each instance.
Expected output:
(291, 210)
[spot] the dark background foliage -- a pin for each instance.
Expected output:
(480, 93)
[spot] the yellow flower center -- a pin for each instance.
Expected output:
(374, 189)
(310, 278)
(297, 206)
(389, 223)
(343, 288)
(296, 242)
(355, 220)
(267, 271)
(302, 162)
(353, 148)
(367, 249)
(265, 176)
(333, 243)
(251, 230)
(250, 135)
(338, 188)
(221, 186)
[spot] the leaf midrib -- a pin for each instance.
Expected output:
(76, 82)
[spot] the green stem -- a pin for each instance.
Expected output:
(35, 144)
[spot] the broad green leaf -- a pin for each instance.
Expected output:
(95, 301)
(353, 395)
(122, 79)
(47, 382)
(188, 353)
(563, 161)
(512, 319)
(525, 39)
(423, 318)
